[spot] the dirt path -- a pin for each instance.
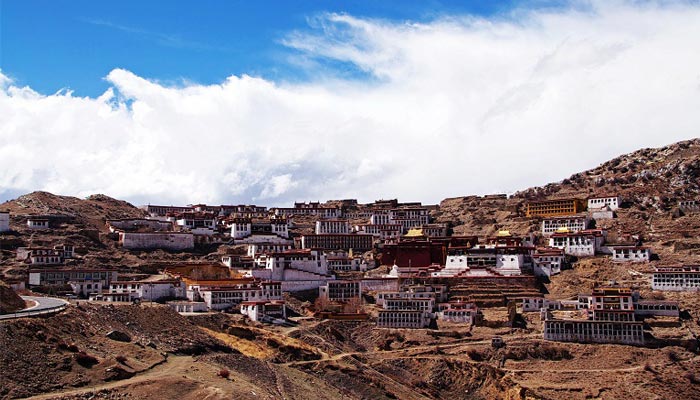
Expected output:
(171, 367)
(573, 371)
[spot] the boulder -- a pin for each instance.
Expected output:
(119, 336)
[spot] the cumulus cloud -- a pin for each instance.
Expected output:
(458, 105)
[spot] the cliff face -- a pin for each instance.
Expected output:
(9, 300)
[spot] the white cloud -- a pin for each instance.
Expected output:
(278, 185)
(456, 106)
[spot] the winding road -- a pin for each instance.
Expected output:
(42, 305)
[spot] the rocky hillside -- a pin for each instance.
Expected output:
(78, 222)
(654, 179)
(90, 212)
(651, 182)
(9, 300)
(75, 348)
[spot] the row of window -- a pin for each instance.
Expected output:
(657, 307)
(603, 329)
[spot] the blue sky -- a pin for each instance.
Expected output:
(276, 102)
(55, 44)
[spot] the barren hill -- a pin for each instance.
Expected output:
(90, 212)
(651, 182)
(647, 178)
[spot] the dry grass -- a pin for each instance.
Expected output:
(247, 347)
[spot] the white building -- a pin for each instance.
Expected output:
(455, 264)
(296, 269)
(127, 291)
(332, 226)
(225, 294)
(689, 205)
(612, 203)
(580, 244)
(4, 221)
(434, 230)
(410, 303)
(82, 281)
(309, 261)
(245, 230)
(407, 217)
(256, 249)
(512, 264)
(463, 313)
(564, 224)
(343, 261)
(340, 290)
(547, 262)
(264, 311)
(175, 241)
(630, 253)
(201, 222)
(533, 304)
(384, 232)
(187, 306)
(685, 278)
(37, 223)
(594, 331)
(138, 224)
(311, 208)
(44, 255)
(380, 218)
(405, 319)
(426, 297)
(645, 308)
(238, 262)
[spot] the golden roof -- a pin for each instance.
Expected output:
(414, 232)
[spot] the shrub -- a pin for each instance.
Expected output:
(69, 347)
(224, 373)
(475, 355)
(85, 360)
(673, 356)
(121, 359)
